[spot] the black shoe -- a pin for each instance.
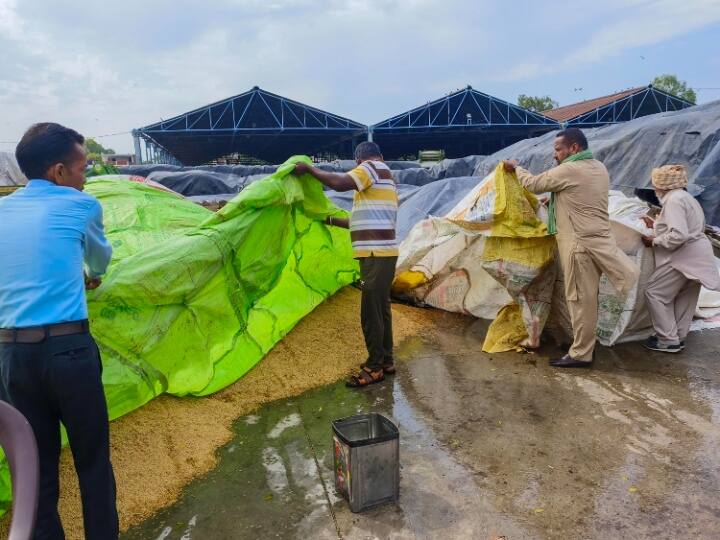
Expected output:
(654, 344)
(568, 361)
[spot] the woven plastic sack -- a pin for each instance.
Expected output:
(490, 251)
(519, 254)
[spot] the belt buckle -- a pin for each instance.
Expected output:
(42, 332)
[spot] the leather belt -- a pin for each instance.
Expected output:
(36, 334)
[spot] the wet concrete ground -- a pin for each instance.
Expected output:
(492, 446)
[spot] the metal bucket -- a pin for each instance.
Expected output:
(367, 460)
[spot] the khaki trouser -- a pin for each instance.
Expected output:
(672, 299)
(582, 285)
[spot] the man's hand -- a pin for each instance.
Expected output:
(301, 168)
(334, 181)
(92, 283)
(648, 240)
(510, 165)
(648, 221)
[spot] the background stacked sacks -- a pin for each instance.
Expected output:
(477, 260)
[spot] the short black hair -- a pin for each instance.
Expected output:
(574, 135)
(367, 150)
(44, 145)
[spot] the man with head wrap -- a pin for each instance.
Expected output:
(683, 260)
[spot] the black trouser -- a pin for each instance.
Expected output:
(377, 274)
(59, 380)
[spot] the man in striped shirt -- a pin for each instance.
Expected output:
(372, 231)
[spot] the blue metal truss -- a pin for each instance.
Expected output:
(257, 123)
(465, 109)
(154, 152)
(646, 101)
(462, 123)
(254, 110)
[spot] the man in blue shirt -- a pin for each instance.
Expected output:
(50, 367)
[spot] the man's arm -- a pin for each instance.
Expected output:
(335, 181)
(677, 233)
(98, 251)
(338, 222)
(548, 181)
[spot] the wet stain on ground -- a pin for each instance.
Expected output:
(491, 446)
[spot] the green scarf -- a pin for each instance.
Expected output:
(552, 226)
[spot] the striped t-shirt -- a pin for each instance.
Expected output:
(374, 212)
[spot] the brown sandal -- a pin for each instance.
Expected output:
(388, 369)
(365, 377)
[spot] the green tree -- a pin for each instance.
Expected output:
(536, 103)
(94, 147)
(672, 85)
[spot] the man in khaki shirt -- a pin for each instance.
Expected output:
(579, 187)
(684, 260)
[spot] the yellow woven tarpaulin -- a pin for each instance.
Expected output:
(490, 256)
(519, 255)
(409, 280)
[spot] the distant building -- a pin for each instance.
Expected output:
(264, 127)
(271, 128)
(119, 160)
(615, 108)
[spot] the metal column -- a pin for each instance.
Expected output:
(136, 140)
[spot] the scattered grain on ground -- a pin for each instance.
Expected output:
(161, 447)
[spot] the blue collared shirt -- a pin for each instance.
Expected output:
(46, 233)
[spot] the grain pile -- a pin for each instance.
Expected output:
(161, 447)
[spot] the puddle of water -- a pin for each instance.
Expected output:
(266, 483)
(490, 444)
(289, 421)
(275, 473)
(251, 419)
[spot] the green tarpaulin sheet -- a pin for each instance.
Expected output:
(194, 299)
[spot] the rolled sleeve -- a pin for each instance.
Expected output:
(97, 250)
(362, 177)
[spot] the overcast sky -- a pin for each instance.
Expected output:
(106, 67)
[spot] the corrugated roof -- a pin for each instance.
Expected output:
(567, 112)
